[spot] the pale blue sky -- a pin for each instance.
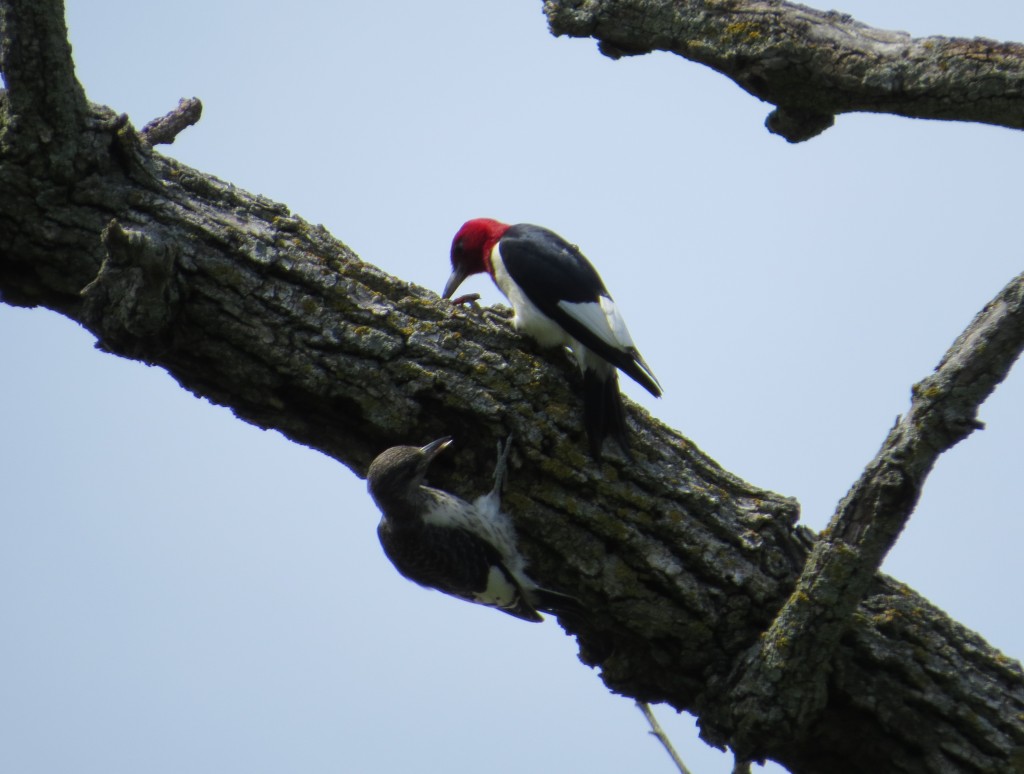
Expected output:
(183, 592)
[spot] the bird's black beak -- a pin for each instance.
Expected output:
(458, 275)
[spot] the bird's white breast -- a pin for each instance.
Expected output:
(528, 319)
(445, 510)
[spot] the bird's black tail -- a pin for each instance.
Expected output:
(603, 412)
(557, 603)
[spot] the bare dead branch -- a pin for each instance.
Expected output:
(813, 65)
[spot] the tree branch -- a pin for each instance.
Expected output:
(659, 733)
(163, 130)
(813, 65)
(682, 564)
(46, 106)
(782, 686)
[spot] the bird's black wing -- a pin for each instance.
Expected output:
(548, 267)
(551, 270)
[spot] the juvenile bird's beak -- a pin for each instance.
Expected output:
(458, 275)
(434, 448)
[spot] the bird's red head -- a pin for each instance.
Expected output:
(471, 250)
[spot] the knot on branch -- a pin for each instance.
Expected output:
(136, 295)
(132, 153)
(619, 50)
(797, 125)
(164, 130)
(934, 399)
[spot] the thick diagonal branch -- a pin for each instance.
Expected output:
(813, 65)
(782, 685)
(682, 564)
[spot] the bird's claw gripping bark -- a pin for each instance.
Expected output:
(501, 468)
(470, 299)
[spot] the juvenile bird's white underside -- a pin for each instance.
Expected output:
(500, 592)
(485, 519)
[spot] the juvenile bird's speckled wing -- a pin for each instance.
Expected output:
(456, 562)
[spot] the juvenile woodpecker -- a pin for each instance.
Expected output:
(467, 550)
(558, 299)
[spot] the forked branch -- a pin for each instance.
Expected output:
(781, 686)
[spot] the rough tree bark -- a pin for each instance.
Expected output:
(683, 565)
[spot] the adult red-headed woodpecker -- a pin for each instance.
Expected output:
(438, 540)
(559, 300)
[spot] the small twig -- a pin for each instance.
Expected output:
(657, 732)
(162, 131)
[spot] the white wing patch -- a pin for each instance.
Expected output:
(500, 592)
(602, 319)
